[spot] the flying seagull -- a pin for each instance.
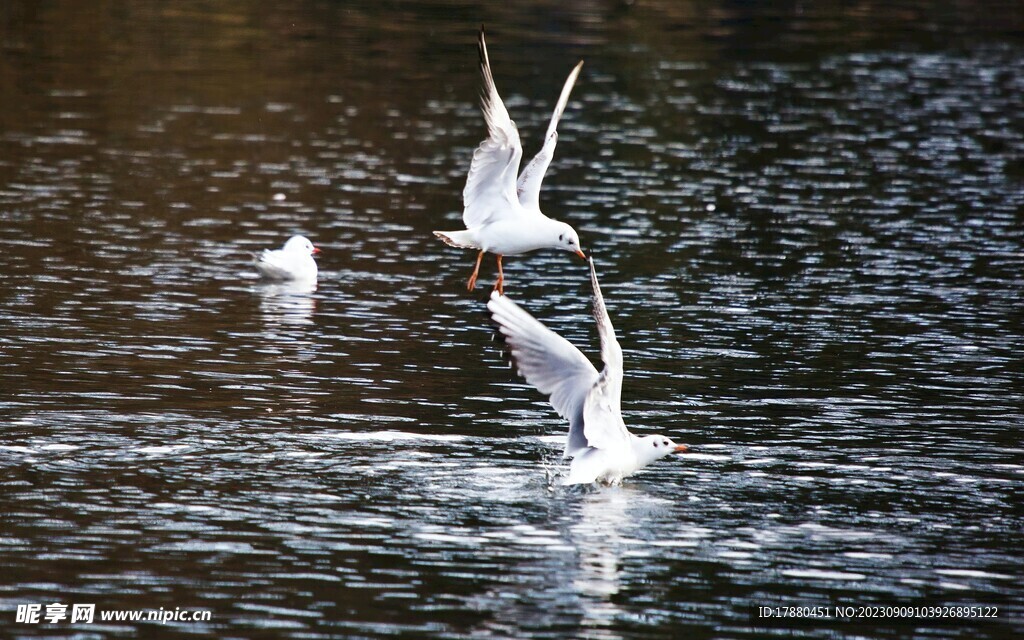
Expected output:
(502, 213)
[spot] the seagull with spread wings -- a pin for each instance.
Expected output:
(502, 213)
(601, 447)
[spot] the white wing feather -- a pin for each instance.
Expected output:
(548, 362)
(528, 186)
(611, 352)
(272, 264)
(590, 402)
(490, 191)
(602, 411)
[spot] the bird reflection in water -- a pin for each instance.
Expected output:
(287, 303)
(599, 537)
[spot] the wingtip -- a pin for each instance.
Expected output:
(595, 285)
(487, 91)
(496, 304)
(481, 43)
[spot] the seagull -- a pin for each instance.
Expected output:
(502, 214)
(294, 261)
(601, 447)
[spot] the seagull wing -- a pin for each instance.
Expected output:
(272, 264)
(528, 186)
(490, 191)
(602, 410)
(550, 363)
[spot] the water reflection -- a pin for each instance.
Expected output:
(287, 303)
(599, 537)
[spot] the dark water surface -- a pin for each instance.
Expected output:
(809, 224)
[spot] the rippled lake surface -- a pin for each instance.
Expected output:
(809, 225)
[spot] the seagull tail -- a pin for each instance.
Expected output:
(460, 239)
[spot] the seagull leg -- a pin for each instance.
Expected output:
(476, 271)
(499, 286)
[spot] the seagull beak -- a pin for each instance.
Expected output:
(681, 449)
(316, 250)
(582, 255)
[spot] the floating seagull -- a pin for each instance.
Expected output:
(294, 261)
(502, 214)
(601, 447)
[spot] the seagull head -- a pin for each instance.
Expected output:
(300, 244)
(651, 448)
(567, 239)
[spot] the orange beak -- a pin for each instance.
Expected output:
(681, 448)
(581, 254)
(316, 250)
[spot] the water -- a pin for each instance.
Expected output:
(808, 225)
